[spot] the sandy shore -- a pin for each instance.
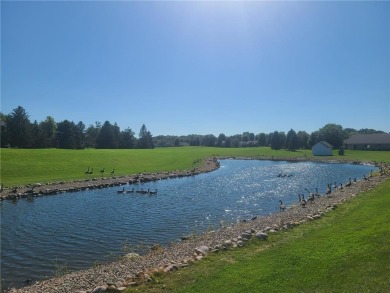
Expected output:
(133, 269)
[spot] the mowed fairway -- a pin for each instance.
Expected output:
(24, 166)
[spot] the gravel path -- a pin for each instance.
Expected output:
(133, 269)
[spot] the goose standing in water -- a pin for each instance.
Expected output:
(302, 200)
(282, 207)
(153, 192)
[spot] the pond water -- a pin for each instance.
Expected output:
(42, 236)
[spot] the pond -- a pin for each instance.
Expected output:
(44, 236)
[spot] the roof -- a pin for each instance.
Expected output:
(377, 138)
(325, 143)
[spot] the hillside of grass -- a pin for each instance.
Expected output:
(345, 251)
(24, 166)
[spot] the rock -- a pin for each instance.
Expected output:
(203, 250)
(100, 289)
(228, 242)
(131, 284)
(246, 236)
(261, 236)
(199, 257)
(121, 289)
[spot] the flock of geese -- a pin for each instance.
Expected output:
(141, 191)
(312, 195)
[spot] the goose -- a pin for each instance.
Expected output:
(87, 172)
(140, 191)
(349, 183)
(317, 193)
(153, 192)
(328, 190)
(122, 191)
(131, 191)
(303, 201)
(113, 171)
(311, 195)
(341, 186)
(282, 207)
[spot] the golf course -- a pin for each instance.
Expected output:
(344, 251)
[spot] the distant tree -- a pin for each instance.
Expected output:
(194, 140)
(127, 139)
(277, 141)
(66, 135)
(145, 140)
(350, 131)
(303, 137)
(245, 137)
(4, 130)
(333, 134)
(369, 131)
(107, 137)
(209, 140)
(235, 142)
(19, 128)
(48, 132)
(36, 136)
(262, 140)
(177, 142)
(221, 140)
(313, 139)
(292, 142)
(228, 142)
(91, 134)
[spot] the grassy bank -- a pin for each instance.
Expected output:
(24, 166)
(345, 251)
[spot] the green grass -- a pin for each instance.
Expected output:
(24, 166)
(346, 251)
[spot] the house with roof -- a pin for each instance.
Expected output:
(374, 142)
(322, 148)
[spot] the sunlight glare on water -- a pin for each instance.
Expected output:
(77, 229)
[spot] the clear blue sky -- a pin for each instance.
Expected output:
(199, 67)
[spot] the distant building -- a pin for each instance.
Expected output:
(374, 142)
(322, 148)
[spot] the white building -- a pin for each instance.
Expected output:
(322, 148)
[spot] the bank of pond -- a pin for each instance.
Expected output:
(75, 230)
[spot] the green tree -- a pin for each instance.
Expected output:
(19, 128)
(209, 140)
(262, 140)
(48, 132)
(145, 138)
(107, 137)
(303, 137)
(221, 140)
(313, 139)
(4, 130)
(127, 139)
(333, 134)
(65, 135)
(292, 142)
(91, 134)
(277, 140)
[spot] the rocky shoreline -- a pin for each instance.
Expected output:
(40, 189)
(134, 269)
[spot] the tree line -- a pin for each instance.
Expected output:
(18, 131)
